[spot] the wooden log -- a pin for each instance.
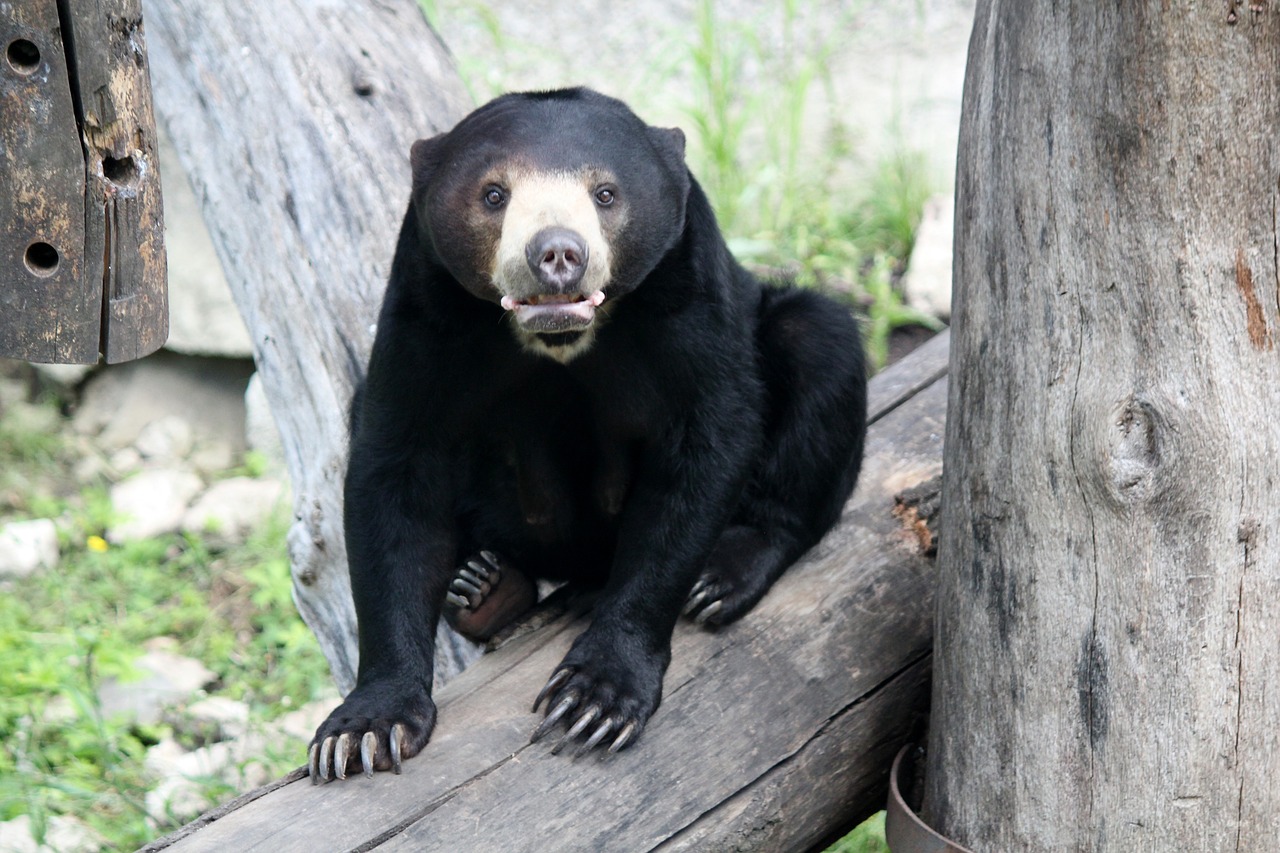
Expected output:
(123, 215)
(293, 120)
(1109, 566)
(774, 733)
(82, 264)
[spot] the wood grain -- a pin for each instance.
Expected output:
(774, 733)
(1109, 564)
(293, 120)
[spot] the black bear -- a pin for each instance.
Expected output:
(573, 379)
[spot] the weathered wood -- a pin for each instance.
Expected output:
(46, 312)
(1109, 595)
(293, 120)
(82, 265)
(123, 216)
(773, 734)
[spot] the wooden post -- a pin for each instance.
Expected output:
(293, 120)
(82, 266)
(1109, 598)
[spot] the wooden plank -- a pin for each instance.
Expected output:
(774, 732)
(123, 217)
(46, 315)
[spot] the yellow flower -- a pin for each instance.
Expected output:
(96, 543)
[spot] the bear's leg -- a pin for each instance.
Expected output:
(486, 595)
(811, 355)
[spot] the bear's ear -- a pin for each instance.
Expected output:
(671, 140)
(424, 156)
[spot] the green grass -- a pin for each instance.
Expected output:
(63, 632)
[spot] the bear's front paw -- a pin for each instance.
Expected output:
(604, 689)
(375, 728)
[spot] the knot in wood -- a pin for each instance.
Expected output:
(1135, 447)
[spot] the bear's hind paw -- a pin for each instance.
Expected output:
(486, 595)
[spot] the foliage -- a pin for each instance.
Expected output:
(64, 633)
(866, 838)
(780, 200)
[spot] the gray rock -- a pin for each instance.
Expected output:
(214, 719)
(166, 440)
(203, 319)
(151, 503)
(212, 457)
(119, 401)
(232, 508)
(181, 792)
(927, 282)
(64, 834)
(27, 546)
(168, 679)
(63, 376)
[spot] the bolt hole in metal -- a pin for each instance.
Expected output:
(41, 259)
(23, 56)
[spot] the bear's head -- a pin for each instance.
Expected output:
(551, 204)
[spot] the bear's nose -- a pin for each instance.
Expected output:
(558, 258)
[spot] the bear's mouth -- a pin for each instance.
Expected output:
(554, 312)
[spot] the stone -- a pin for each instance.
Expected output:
(120, 401)
(232, 508)
(28, 546)
(215, 719)
(927, 281)
(64, 377)
(180, 793)
(165, 440)
(212, 457)
(168, 679)
(151, 503)
(63, 834)
(203, 319)
(303, 722)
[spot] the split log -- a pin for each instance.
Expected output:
(293, 120)
(82, 264)
(1109, 564)
(774, 734)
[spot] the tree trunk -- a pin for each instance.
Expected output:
(293, 120)
(1109, 595)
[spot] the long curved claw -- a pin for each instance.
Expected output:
(397, 736)
(341, 751)
(326, 759)
(458, 601)
(491, 559)
(368, 753)
(313, 763)
(712, 610)
(566, 704)
(624, 737)
(465, 587)
(694, 602)
(608, 725)
(559, 678)
(588, 717)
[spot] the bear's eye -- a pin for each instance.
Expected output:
(604, 196)
(494, 197)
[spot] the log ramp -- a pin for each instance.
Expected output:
(774, 734)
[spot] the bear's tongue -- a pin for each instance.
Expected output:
(554, 312)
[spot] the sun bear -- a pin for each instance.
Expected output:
(573, 379)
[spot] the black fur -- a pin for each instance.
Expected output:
(710, 435)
